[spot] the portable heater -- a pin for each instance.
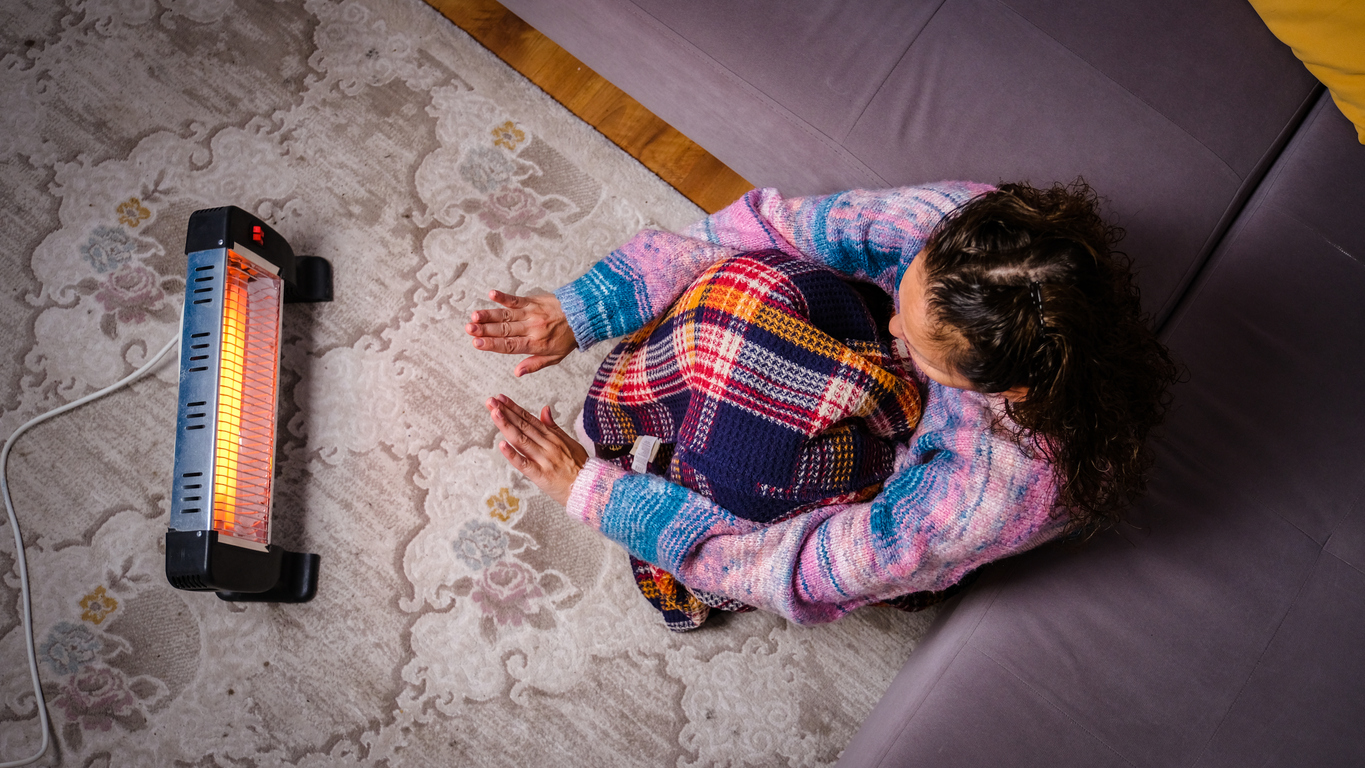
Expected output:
(239, 276)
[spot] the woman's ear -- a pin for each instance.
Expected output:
(1015, 394)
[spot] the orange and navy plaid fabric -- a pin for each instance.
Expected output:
(685, 609)
(774, 382)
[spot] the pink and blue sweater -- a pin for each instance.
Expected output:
(961, 494)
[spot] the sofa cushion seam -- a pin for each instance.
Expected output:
(1345, 562)
(852, 126)
(768, 102)
(1354, 504)
(1150, 106)
(1264, 172)
(1221, 242)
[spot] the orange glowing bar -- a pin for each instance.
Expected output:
(244, 454)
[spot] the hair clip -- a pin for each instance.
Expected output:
(1037, 289)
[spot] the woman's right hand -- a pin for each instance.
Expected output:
(528, 325)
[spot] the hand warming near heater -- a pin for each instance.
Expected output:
(538, 448)
(528, 325)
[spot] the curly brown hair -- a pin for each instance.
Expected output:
(1025, 288)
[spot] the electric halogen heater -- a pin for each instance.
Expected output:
(240, 274)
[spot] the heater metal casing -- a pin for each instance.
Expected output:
(240, 273)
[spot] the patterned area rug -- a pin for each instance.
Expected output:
(461, 618)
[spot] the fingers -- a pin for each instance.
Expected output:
(507, 299)
(522, 463)
(521, 416)
(525, 433)
(535, 363)
(494, 315)
(549, 439)
(524, 417)
(495, 322)
(509, 322)
(518, 309)
(501, 330)
(515, 345)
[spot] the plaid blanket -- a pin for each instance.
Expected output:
(773, 390)
(684, 608)
(771, 382)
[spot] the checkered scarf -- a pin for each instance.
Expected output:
(773, 384)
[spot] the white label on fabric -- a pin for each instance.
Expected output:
(646, 448)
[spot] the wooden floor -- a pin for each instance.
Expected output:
(690, 169)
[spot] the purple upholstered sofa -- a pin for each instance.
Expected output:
(1226, 625)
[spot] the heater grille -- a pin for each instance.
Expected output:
(243, 463)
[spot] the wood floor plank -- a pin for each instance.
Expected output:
(691, 170)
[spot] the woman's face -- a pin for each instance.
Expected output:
(914, 327)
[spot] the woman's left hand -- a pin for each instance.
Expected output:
(538, 448)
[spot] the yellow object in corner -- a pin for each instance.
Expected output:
(1328, 36)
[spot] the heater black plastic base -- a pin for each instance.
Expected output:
(199, 562)
(298, 582)
(312, 281)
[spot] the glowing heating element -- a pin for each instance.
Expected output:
(229, 382)
(248, 371)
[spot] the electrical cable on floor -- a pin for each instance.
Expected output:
(27, 613)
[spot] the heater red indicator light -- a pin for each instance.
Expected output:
(257, 234)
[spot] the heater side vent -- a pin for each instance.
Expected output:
(191, 483)
(200, 351)
(200, 290)
(189, 583)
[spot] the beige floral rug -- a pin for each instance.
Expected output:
(461, 618)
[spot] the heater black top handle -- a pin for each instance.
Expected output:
(306, 278)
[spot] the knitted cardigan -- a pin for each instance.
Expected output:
(962, 494)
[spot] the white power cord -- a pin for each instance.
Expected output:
(19, 541)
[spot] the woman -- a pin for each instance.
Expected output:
(1040, 382)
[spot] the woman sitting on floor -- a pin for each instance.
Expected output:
(1012, 407)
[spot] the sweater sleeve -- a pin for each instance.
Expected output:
(866, 235)
(960, 497)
